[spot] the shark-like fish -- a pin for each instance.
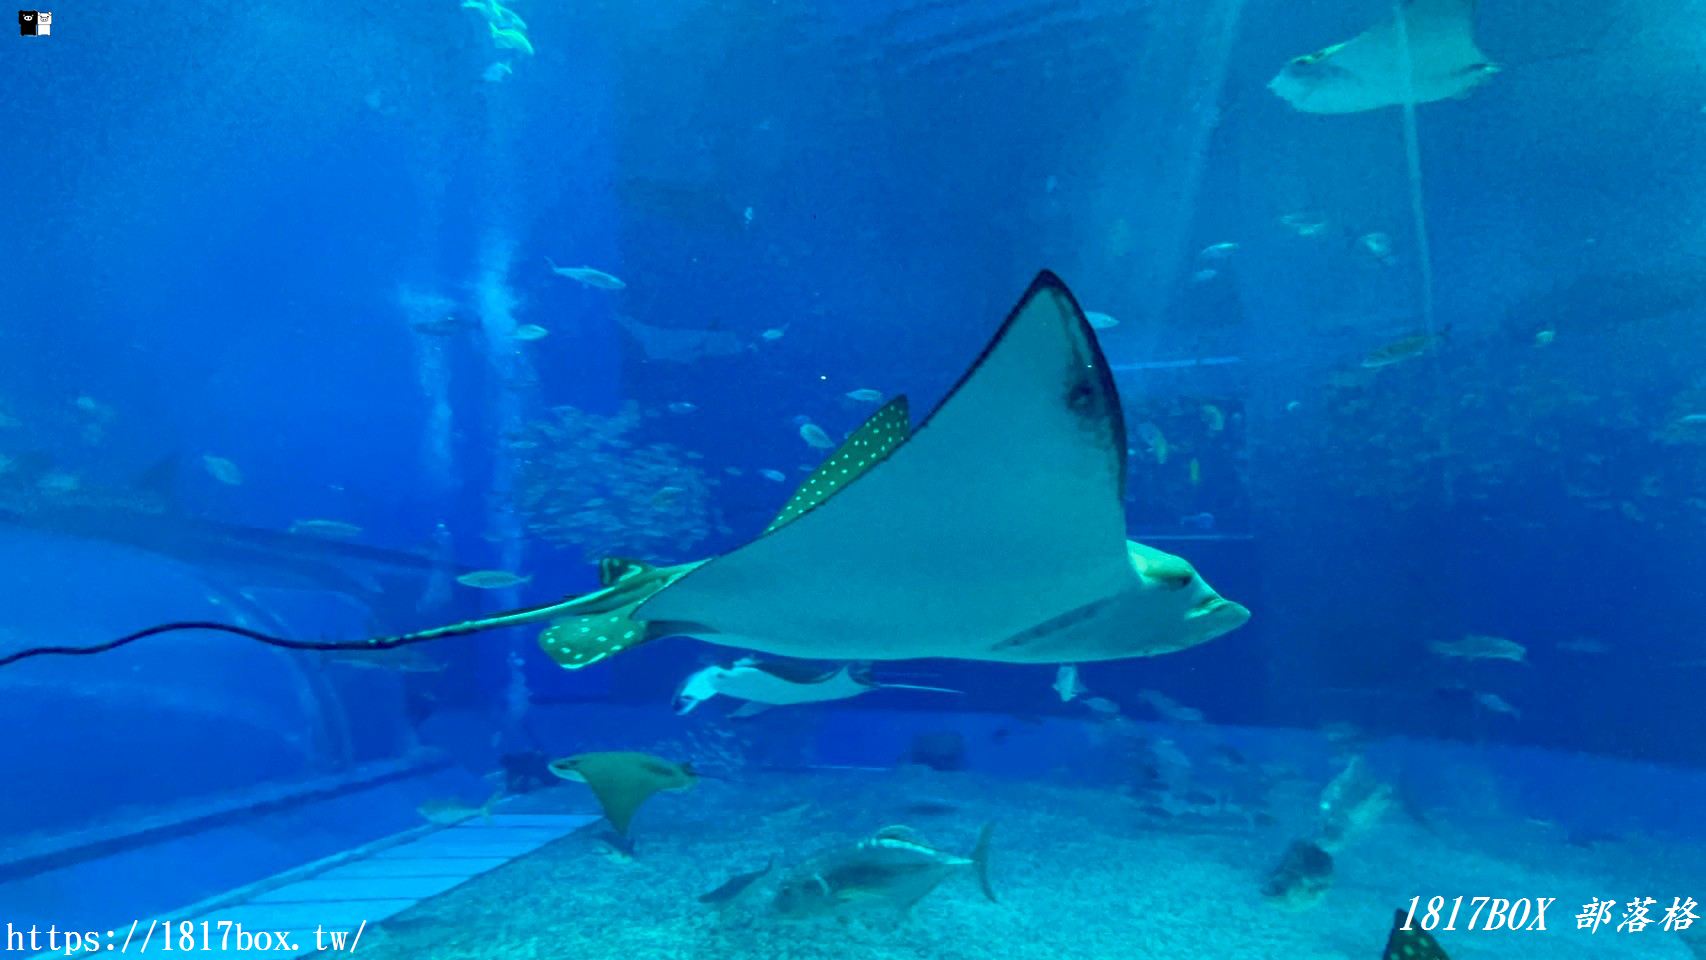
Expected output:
(779, 683)
(1424, 52)
(994, 531)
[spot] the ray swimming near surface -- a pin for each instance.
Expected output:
(994, 530)
(1424, 52)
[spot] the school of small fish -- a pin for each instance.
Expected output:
(587, 480)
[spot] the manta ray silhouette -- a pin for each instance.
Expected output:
(995, 530)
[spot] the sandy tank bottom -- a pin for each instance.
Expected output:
(1079, 871)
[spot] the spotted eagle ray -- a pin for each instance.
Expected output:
(994, 531)
(623, 780)
(1374, 69)
(1408, 941)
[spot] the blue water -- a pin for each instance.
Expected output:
(230, 228)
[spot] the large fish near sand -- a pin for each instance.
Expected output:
(893, 868)
(1424, 52)
(995, 531)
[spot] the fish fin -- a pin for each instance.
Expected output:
(576, 642)
(912, 686)
(612, 569)
(980, 860)
(1161, 566)
(568, 606)
(793, 671)
(587, 629)
(620, 782)
(867, 446)
(1440, 35)
(1443, 31)
(897, 832)
(750, 708)
(1412, 944)
(1003, 509)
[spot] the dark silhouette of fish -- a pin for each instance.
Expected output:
(701, 206)
(146, 515)
(734, 888)
(1600, 299)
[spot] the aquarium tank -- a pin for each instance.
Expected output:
(877, 479)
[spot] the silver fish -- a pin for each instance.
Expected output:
(814, 435)
(222, 470)
(450, 810)
(588, 276)
(491, 579)
(1480, 647)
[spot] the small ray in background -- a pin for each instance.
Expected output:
(776, 683)
(681, 345)
(622, 780)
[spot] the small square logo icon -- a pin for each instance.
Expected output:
(44, 21)
(26, 23)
